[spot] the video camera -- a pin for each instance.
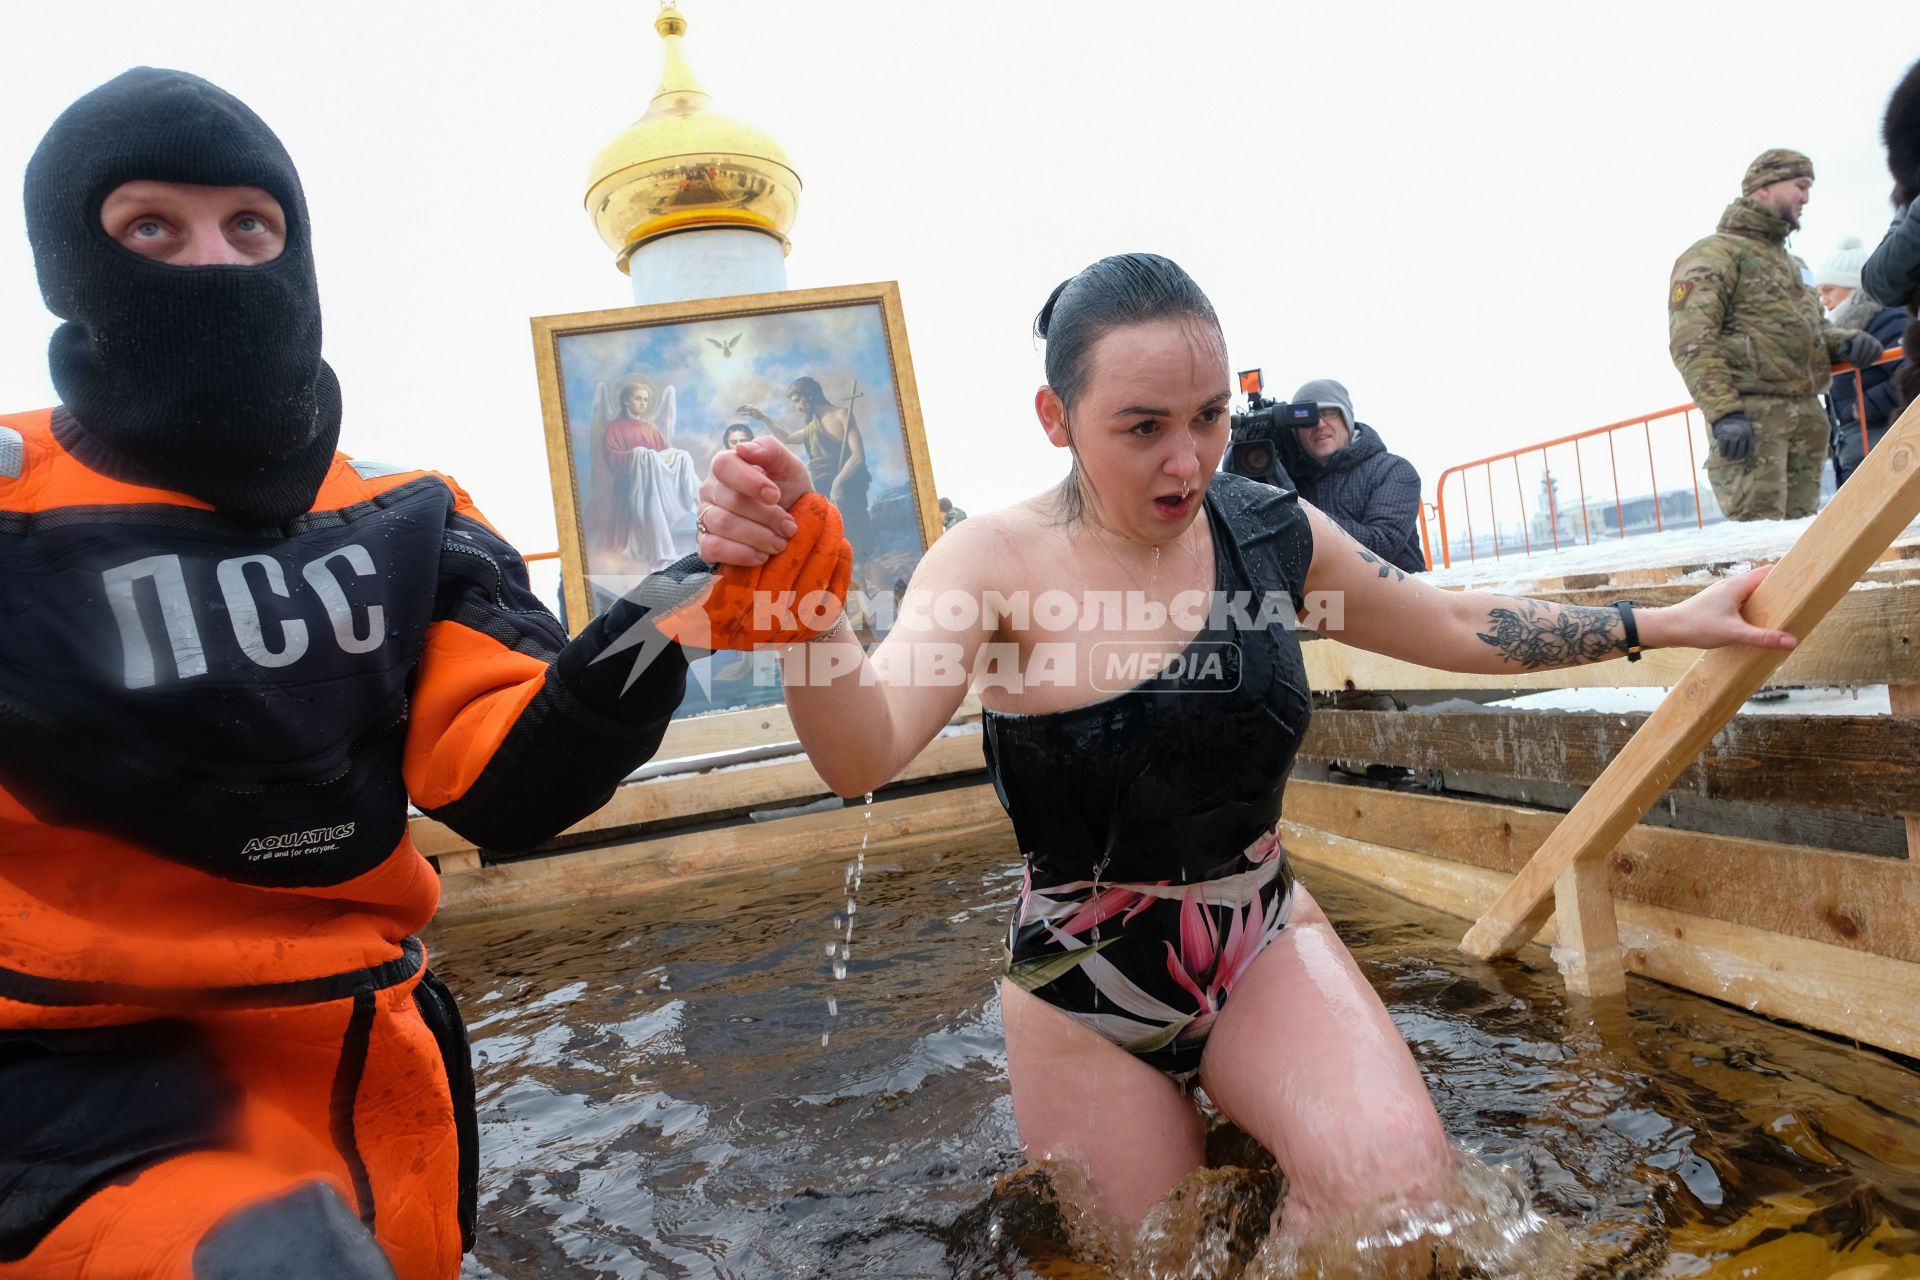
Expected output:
(1254, 448)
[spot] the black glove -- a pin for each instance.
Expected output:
(1734, 434)
(1863, 349)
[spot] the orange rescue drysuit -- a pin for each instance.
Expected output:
(211, 999)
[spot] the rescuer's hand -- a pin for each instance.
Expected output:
(787, 598)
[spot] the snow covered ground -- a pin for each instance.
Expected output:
(1731, 543)
(1866, 700)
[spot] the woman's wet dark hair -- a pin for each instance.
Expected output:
(1125, 289)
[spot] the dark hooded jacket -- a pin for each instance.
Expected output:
(1874, 386)
(1894, 267)
(1372, 494)
(1892, 271)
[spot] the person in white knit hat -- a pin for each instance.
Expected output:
(1850, 306)
(1839, 275)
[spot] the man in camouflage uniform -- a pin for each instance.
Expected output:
(1750, 338)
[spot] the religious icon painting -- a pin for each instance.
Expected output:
(638, 401)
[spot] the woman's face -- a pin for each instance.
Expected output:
(1150, 425)
(639, 399)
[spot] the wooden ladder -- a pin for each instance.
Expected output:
(1568, 875)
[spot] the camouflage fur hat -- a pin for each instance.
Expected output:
(1775, 165)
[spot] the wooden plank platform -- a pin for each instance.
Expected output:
(1904, 701)
(686, 798)
(1542, 573)
(1859, 764)
(960, 816)
(1830, 940)
(1673, 592)
(1853, 901)
(1827, 986)
(751, 727)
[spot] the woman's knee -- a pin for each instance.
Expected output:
(1397, 1152)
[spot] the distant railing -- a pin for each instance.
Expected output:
(1680, 416)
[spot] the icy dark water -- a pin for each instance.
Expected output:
(656, 1100)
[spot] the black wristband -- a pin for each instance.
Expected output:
(1634, 647)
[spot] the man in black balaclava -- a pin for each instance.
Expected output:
(229, 657)
(205, 379)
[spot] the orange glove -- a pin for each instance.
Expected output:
(792, 597)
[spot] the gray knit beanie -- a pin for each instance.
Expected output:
(1325, 391)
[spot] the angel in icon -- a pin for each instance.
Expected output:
(643, 492)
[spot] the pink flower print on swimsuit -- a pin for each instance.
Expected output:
(1208, 971)
(1150, 965)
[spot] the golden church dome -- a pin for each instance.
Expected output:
(683, 165)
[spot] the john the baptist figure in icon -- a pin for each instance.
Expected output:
(836, 454)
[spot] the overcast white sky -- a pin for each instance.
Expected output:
(1467, 212)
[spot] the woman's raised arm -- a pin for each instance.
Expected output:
(1359, 599)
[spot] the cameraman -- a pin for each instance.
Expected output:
(1341, 467)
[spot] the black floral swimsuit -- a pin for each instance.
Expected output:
(1154, 876)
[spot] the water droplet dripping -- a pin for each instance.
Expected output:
(839, 949)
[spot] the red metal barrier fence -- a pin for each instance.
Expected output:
(1671, 427)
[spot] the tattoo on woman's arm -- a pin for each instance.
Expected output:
(1399, 574)
(1537, 635)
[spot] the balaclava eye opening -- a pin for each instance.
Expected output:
(203, 379)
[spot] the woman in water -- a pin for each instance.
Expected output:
(1161, 936)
